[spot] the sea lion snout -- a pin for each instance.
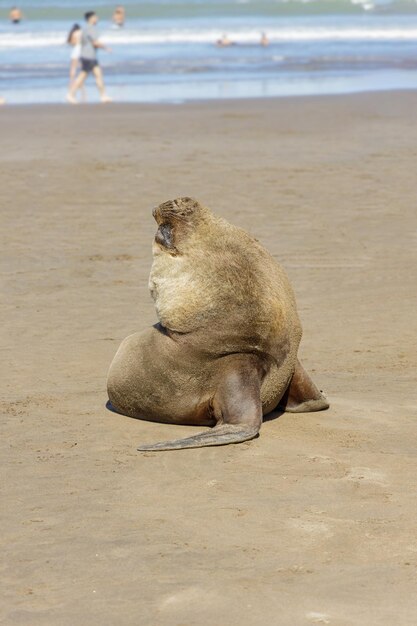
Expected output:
(164, 236)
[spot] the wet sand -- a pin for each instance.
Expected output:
(314, 522)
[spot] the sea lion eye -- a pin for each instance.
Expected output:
(164, 236)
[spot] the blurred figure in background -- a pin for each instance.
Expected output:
(74, 40)
(15, 15)
(119, 17)
(264, 40)
(224, 41)
(89, 45)
(2, 101)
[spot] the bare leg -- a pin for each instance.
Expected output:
(236, 405)
(98, 75)
(77, 84)
(72, 72)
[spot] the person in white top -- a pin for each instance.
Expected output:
(74, 40)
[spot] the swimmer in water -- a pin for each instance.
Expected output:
(224, 41)
(264, 40)
(119, 17)
(15, 15)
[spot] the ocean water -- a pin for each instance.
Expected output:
(166, 51)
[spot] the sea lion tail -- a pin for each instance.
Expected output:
(218, 436)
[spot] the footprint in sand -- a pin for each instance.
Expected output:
(366, 474)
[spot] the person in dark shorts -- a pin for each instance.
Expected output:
(89, 45)
(87, 65)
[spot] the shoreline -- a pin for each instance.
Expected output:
(185, 90)
(213, 102)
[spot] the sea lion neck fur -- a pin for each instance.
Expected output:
(214, 274)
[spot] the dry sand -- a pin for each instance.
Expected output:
(312, 523)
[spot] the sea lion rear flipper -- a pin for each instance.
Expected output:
(217, 436)
(302, 395)
(236, 405)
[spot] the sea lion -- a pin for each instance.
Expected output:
(224, 352)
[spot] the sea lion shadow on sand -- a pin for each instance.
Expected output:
(224, 352)
(271, 416)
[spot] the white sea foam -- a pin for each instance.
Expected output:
(202, 36)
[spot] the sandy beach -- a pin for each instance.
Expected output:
(314, 522)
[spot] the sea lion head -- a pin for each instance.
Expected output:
(176, 220)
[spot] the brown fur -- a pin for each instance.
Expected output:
(225, 350)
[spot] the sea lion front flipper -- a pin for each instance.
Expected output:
(302, 395)
(236, 406)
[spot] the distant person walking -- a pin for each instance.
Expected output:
(15, 15)
(89, 45)
(119, 17)
(74, 40)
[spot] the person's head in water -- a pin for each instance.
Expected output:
(15, 15)
(72, 32)
(91, 17)
(119, 16)
(264, 39)
(224, 41)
